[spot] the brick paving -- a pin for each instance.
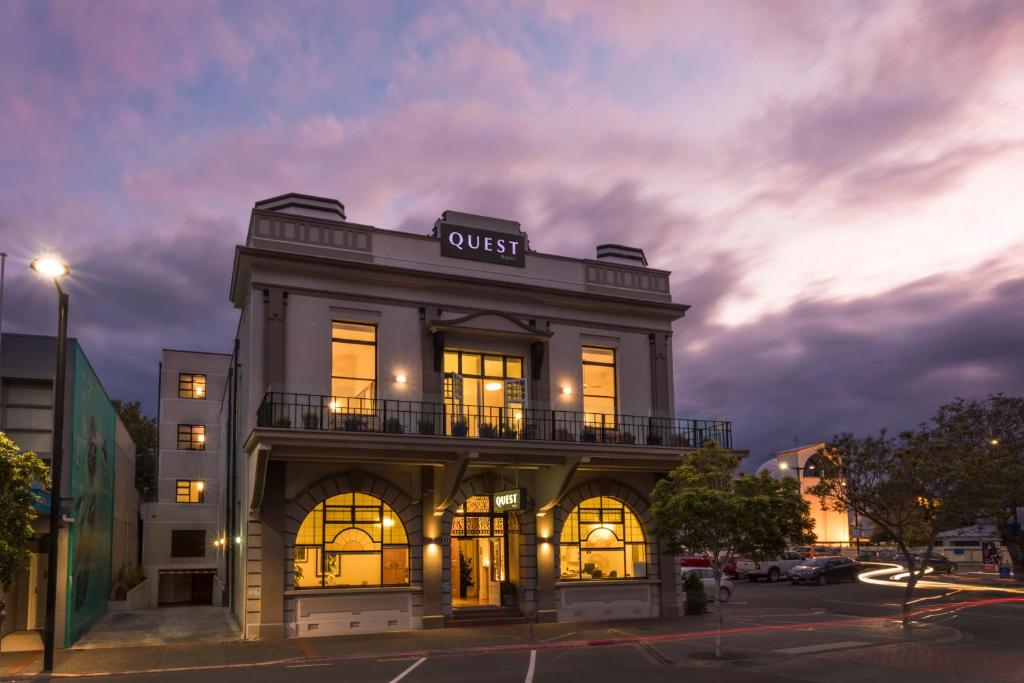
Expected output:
(972, 664)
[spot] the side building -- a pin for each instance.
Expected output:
(446, 427)
(101, 507)
(180, 548)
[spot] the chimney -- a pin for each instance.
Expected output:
(616, 253)
(296, 204)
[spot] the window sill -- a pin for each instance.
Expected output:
(350, 590)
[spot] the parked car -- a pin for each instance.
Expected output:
(876, 556)
(816, 550)
(938, 563)
(773, 570)
(707, 577)
(704, 561)
(824, 570)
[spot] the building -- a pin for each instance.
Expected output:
(425, 427)
(101, 508)
(180, 550)
(831, 527)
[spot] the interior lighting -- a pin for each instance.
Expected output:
(199, 391)
(201, 438)
(49, 266)
(492, 386)
(200, 486)
(401, 379)
(388, 522)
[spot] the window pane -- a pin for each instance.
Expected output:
(354, 331)
(354, 360)
(595, 355)
(493, 366)
(569, 559)
(471, 364)
(451, 361)
(598, 380)
(514, 368)
(595, 406)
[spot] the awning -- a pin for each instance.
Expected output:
(188, 571)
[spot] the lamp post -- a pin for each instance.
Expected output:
(55, 269)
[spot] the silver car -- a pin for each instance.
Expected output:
(707, 577)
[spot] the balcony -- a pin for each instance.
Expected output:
(384, 416)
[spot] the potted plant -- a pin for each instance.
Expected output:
(283, 422)
(426, 425)
(353, 423)
(588, 435)
(653, 439)
(696, 599)
(509, 594)
(531, 430)
(394, 426)
(465, 575)
(562, 434)
(460, 428)
(311, 420)
(680, 440)
(508, 432)
(488, 431)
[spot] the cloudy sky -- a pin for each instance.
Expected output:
(838, 188)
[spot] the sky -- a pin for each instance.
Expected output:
(837, 187)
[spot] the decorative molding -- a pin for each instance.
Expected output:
(625, 277)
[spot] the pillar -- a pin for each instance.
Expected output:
(271, 576)
(433, 555)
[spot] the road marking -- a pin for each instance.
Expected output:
(408, 671)
(533, 664)
(302, 666)
(823, 647)
(306, 647)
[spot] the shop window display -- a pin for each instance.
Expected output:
(602, 539)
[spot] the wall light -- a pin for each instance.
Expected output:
(783, 465)
(238, 540)
(200, 486)
(401, 379)
(994, 442)
(567, 391)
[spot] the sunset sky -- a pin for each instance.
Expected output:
(838, 188)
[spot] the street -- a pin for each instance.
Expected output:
(774, 632)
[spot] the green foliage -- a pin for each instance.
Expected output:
(18, 471)
(128, 577)
(142, 429)
(692, 584)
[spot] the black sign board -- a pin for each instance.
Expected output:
(486, 246)
(514, 499)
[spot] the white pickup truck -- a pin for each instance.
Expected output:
(773, 570)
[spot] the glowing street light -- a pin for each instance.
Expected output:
(50, 267)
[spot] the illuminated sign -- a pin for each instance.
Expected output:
(483, 245)
(510, 500)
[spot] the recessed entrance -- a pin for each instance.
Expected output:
(484, 552)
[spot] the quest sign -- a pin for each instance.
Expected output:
(486, 246)
(510, 500)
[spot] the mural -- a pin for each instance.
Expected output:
(91, 472)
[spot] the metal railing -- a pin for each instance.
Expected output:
(387, 416)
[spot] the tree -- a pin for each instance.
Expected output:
(912, 487)
(143, 432)
(18, 471)
(704, 508)
(994, 428)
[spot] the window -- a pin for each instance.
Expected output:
(352, 539)
(485, 392)
(188, 543)
(812, 468)
(602, 539)
(353, 366)
(191, 385)
(191, 438)
(599, 386)
(189, 491)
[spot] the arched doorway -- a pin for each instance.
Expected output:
(484, 552)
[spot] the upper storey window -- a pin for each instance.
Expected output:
(191, 385)
(599, 396)
(353, 361)
(485, 394)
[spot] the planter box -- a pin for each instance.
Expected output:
(136, 598)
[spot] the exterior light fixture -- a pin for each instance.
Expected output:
(566, 391)
(334, 407)
(49, 266)
(401, 379)
(783, 465)
(238, 540)
(492, 386)
(994, 442)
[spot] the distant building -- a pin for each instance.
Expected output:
(830, 526)
(180, 549)
(101, 503)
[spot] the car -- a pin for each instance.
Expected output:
(938, 563)
(875, 556)
(815, 550)
(704, 561)
(773, 569)
(825, 570)
(707, 577)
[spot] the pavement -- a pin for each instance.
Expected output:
(774, 632)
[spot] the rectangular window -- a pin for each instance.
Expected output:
(188, 543)
(353, 363)
(599, 396)
(191, 385)
(191, 437)
(485, 394)
(189, 491)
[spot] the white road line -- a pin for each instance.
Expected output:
(407, 671)
(533, 664)
(822, 647)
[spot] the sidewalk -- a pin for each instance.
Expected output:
(746, 629)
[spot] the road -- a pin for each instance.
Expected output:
(776, 632)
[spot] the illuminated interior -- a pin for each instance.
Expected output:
(602, 539)
(486, 392)
(353, 366)
(599, 398)
(352, 539)
(480, 552)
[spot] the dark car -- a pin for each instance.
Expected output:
(824, 570)
(938, 563)
(876, 556)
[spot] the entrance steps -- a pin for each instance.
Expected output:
(484, 615)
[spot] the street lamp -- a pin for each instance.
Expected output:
(55, 269)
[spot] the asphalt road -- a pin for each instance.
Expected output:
(778, 632)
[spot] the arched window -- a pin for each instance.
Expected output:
(602, 539)
(812, 468)
(352, 539)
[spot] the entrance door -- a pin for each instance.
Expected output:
(37, 592)
(479, 553)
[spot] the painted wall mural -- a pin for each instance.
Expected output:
(91, 473)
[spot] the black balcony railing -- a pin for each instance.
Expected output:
(345, 414)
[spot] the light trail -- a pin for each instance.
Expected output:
(896, 575)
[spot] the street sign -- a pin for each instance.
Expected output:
(514, 499)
